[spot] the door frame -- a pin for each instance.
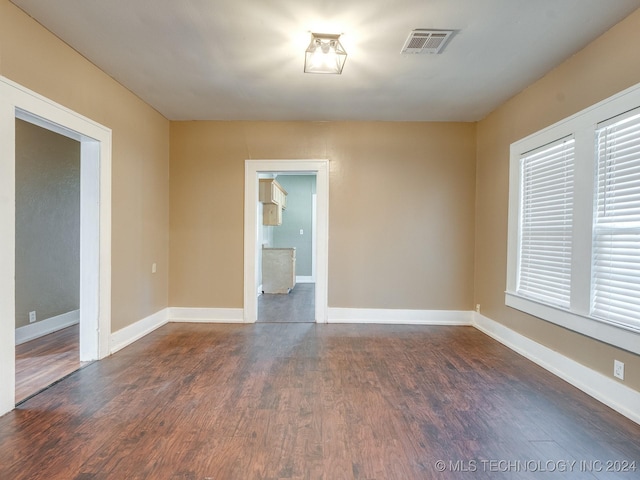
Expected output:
(17, 101)
(251, 280)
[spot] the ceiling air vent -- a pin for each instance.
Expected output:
(422, 40)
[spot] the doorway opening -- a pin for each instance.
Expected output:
(17, 102)
(286, 251)
(47, 268)
(312, 281)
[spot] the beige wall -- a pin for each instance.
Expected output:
(401, 215)
(607, 66)
(34, 58)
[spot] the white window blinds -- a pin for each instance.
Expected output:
(616, 246)
(544, 266)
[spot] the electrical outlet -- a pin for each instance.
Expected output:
(618, 369)
(32, 316)
(478, 307)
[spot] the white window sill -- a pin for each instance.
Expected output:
(622, 337)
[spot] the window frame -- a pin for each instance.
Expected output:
(544, 187)
(577, 317)
(612, 188)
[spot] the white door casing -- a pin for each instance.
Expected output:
(95, 230)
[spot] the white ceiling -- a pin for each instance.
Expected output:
(243, 59)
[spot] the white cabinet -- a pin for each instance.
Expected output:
(272, 192)
(278, 270)
(274, 200)
(271, 214)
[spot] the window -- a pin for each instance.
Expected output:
(544, 269)
(616, 236)
(574, 222)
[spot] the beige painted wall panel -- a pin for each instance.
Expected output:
(207, 214)
(401, 209)
(604, 68)
(36, 59)
(401, 215)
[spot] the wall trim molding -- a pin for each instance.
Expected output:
(399, 316)
(305, 279)
(47, 326)
(612, 393)
(137, 330)
(206, 315)
(17, 101)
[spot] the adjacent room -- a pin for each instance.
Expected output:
(47, 258)
(286, 249)
(260, 240)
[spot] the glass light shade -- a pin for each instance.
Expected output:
(324, 54)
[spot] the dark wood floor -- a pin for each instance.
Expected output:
(298, 306)
(309, 401)
(45, 360)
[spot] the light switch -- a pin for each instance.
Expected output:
(154, 268)
(301, 232)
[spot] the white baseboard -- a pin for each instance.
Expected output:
(136, 331)
(604, 389)
(304, 279)
(206, 315)
(399, 317)
(45, 327)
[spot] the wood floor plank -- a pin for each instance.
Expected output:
(298, 306)
(45, 360)
(306, 401)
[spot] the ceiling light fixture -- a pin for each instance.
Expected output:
(324, 54)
